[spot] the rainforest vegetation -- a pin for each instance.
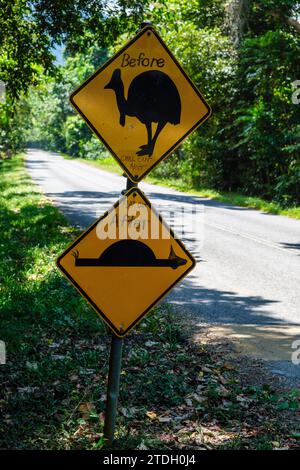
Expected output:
(242, 54)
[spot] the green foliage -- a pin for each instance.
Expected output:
(24, 47)
(249, 145)
(52, 122)
(12, 120)
(264, 136)
(30, 28)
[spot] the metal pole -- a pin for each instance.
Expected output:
(115, 359)
(113, 388)
(113, 385)
(129, 184)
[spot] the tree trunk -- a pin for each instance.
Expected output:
(236, 14)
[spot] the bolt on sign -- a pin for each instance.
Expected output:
(141, 104)
(126, 262)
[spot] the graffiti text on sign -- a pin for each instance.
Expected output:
(142, 60)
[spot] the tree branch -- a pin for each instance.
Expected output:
(294, 23)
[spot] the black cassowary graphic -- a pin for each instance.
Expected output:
(152, 97)
(130, 253)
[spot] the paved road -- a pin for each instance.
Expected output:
(248, 275)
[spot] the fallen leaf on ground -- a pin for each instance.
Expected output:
(164, 419)
(128, 412)
(86, 408)
(150, 343)
(151, 414)
(142, 446)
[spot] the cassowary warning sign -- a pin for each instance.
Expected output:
(141, 104)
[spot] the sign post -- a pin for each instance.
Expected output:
(113, 384)
(113, 388)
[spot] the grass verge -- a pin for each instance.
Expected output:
(236, 199)
(175, 394)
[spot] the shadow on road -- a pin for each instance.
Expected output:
(291, 246)
(242, 323)
(82, 208)
(190, 199)
(225, 307)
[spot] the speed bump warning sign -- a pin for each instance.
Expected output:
(126, 262)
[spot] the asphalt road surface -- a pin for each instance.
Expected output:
(247, 282)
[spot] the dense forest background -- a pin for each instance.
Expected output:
(242, 54)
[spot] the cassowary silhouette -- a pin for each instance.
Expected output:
(152, 97)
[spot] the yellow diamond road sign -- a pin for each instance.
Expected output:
(126, 262)
(141, 104)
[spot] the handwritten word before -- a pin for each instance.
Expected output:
(142, 60)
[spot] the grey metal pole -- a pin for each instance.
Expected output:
(113, 388)
(115, 360)
(113, 385)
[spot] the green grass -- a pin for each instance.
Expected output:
(175, 394)
(109, 164)
(233, 198)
